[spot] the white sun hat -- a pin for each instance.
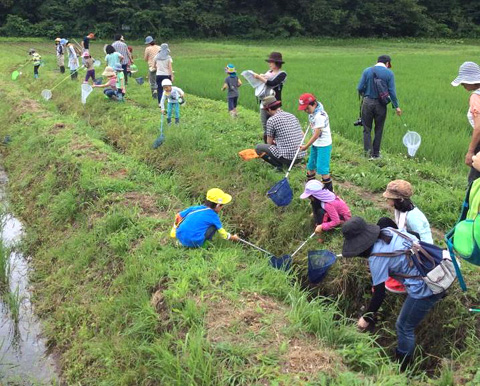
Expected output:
(468, 73)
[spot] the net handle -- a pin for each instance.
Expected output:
(298, 150)
(301, 246)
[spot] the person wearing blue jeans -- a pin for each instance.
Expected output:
(174, 96)
(386, 252)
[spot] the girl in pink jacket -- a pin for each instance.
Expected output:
(329, 210)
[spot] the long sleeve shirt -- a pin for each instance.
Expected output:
(366, 86)
(172, 97)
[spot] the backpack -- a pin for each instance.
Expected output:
(382, 89)
(433, 263)
(463, 239)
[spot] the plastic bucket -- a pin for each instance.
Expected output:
(140, 80)
(284, 263)
(319, 262)
(98, 81)
(281, 193)
(412, 141)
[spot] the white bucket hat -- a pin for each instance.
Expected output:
(468, 73)
(166, 82)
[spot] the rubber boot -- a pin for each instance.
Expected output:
(169, 121)
(310, 177)
(62, 69)
(327, 184)
(35, 76)
(177, 121)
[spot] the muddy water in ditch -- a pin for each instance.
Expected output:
(23, 360)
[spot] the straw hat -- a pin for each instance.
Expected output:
(108, 71)
(398, 190)
(358, 236)
(468, 73)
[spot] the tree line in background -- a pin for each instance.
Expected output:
(255, 19)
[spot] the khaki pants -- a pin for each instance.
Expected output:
(60, 60)
(152, 78)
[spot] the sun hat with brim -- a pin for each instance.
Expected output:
(218, 196)
(468, 73)
(63, 41)
(58, 40)
(230, 68)
(148, 40)
(86, 54)
(270, 101)
(358, 236)
(398, 190)
(275, 57)
(311, 187)
(108, 71)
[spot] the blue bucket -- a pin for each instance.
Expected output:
(319, 262)
(98, 81)
(139, 80)
(284, 263)
(281, 193)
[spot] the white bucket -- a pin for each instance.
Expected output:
(46, 94)
(412, 141)
(86, 90)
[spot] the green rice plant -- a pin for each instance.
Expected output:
(13, 300)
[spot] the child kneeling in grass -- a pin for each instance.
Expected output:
(194, 225)
(111, 85)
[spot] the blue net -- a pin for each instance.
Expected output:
(319, 263)
(284, 262)
(281, 193)
(98, 81)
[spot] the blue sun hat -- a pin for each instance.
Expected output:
(230, 69)
(148, 40)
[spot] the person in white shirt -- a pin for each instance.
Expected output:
(321, 140)
(174, 96)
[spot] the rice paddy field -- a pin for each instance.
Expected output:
(122, 304)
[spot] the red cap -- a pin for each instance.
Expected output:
(305, 100)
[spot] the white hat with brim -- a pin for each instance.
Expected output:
(108, 71)
(468, 73)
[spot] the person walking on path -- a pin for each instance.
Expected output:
(163, 67)
(197, 224)
(122, 49)
(72, 61)
(284, 136)
(321, 140)
(232, 83)
(469, 78)
(151, 51)
(274, 79)
(373, 111)
(369, 241)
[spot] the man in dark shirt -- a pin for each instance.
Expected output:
(372, 109)
(86, 41)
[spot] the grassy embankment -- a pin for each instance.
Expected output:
(81, 187)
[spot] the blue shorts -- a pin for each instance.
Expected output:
(319, 159)
(232, 103)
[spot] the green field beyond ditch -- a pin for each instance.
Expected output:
(123, 305)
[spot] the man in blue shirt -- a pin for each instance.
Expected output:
(372, 109)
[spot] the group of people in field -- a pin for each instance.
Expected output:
(386, 244)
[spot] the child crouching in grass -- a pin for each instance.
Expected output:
(196, 224)
(174, 96)
(232, 83)
(111, 85)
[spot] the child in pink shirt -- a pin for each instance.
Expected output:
(329, 210)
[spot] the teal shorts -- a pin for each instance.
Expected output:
(319, 159)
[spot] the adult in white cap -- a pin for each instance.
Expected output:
(469, 78)
(150, 52)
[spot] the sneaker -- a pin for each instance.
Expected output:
(395, 286)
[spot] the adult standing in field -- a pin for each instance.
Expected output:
(469, 78)
(72, 61)
(284, 136)
(121, 47)
(274, 79)
(60, 50)
(151, 51)
(373, 109)
(86, 42)
(163, 68)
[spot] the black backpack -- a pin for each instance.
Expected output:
(381, 88)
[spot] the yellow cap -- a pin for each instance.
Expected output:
(218, 196)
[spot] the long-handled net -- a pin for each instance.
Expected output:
(47, 93)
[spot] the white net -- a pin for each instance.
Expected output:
(86, 90)
(46, 94)
(412, 141)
